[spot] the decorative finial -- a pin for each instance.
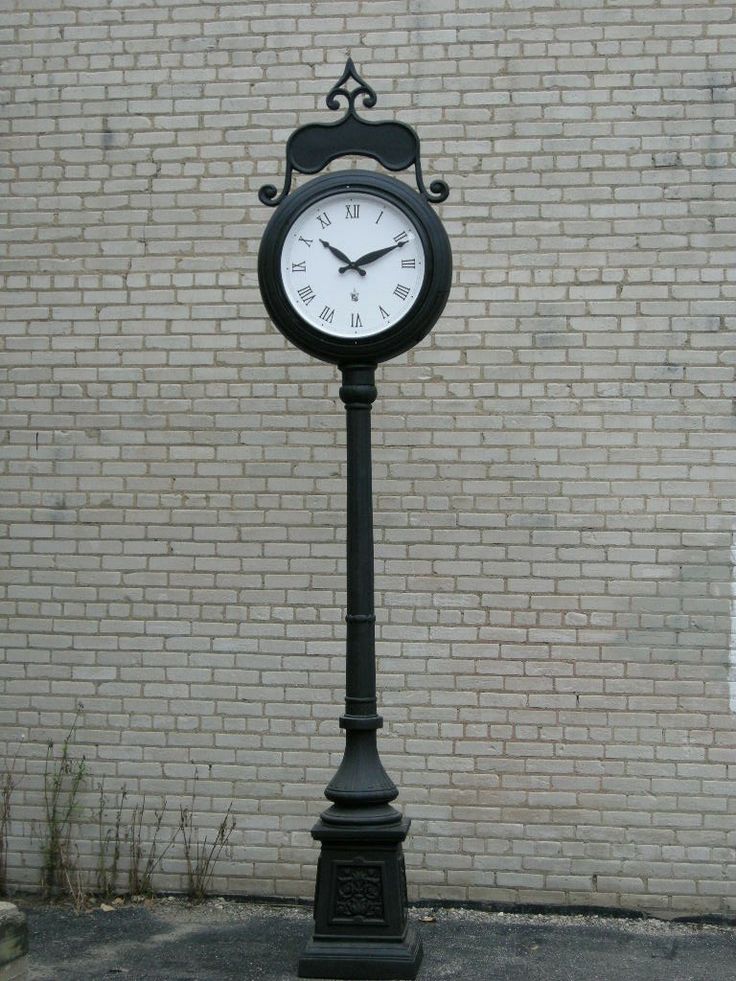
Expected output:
(369, 96)
(311, 147)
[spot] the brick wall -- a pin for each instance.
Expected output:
(554, 467)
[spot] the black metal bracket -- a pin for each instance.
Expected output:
(394, 145)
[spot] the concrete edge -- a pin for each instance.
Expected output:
(13, 934)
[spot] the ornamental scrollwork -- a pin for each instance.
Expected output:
(312, 147)
(359, 892)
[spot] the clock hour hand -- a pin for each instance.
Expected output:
(372, 256)
(341, 255)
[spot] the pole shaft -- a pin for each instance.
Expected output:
(358, 392)
(361, 789)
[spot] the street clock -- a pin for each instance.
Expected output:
(355, 268)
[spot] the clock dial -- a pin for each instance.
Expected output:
(352, 264)
(354, 267)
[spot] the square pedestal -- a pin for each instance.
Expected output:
(361, 928)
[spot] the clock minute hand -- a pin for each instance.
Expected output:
(379, 253)
(341, 255)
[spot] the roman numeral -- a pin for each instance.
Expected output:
(384, 313)
(401, 291)
(355, 320)
(307, 294)
(379, 218)
(307, 241)
(408, 263)
(327, 314)
(401, 238)
(302, 266)
(352, 210)
(323, 220)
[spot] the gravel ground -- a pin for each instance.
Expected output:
(223, 940)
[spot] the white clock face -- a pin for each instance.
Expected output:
(352, 264)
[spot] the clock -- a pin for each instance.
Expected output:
(354, 267)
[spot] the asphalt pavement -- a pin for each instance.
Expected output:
(224, 940)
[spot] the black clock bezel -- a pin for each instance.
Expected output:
(399, 337)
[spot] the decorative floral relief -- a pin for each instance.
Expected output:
(359, 892)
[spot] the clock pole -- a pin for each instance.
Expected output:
(361, 789)
(361, 927)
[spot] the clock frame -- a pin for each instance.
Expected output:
(410, 328)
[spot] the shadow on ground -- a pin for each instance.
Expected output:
(223, 940)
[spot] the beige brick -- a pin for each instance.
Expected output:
(553, 466)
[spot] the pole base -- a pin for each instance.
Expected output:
(361, 928)
(378, 961)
